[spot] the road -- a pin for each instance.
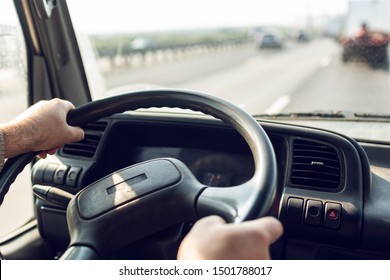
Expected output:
(298, 78)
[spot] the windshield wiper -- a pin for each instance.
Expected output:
(373, 116)
(332, 115)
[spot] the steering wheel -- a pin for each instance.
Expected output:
(145, 198)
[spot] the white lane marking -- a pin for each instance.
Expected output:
(325, 61)
(278, 105)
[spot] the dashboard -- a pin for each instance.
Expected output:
(324, 179)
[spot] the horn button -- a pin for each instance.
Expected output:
(125, 186)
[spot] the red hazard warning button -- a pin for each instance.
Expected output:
(332, 217)
(333, 214)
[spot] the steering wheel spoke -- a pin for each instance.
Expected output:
(133, 203)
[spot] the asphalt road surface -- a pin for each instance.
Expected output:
(299, 78)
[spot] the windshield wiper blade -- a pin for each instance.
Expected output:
(333, 115)
(372, 116)
(311, 115)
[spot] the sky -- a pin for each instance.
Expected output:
(7, 12)
(154, 15)
(91, 16)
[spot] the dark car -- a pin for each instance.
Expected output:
(270, 41)
(302, 37)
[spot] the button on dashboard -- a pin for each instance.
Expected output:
(313, 212)
(332, 217)
(48, 174)
(60, 173)
(294, 210)
(73, 174)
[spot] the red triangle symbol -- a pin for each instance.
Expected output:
(332, 214)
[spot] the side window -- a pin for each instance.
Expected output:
(17, 207)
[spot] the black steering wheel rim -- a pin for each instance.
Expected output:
(258, 141)
(249, 200)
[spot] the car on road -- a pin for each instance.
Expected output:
(270, 41)
(224, 130)
(302, 37)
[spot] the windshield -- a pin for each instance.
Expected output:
(269, 57)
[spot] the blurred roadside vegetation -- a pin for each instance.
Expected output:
(127, 44)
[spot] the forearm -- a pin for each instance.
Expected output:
(17, 138)
(2, 150)
(14, 140)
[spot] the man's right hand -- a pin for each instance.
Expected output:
(212, 238)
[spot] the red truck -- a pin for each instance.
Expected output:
(367, 38)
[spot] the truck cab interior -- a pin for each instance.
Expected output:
(163, 151)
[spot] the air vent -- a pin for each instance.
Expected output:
(96, 126)
(315, 165)
(88, 146)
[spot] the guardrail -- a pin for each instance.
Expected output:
(124, 56)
